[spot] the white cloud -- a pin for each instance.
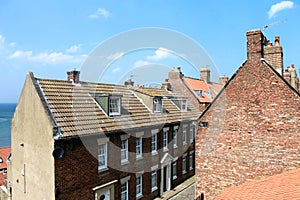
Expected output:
(140, 63)
(12, 44)
(115, 70)
(115, 56)
(161, 53)
(50, 58)
(279, 7)
(73, 49)
(21, 54)
(100, 12)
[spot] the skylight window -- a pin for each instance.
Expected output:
(199, 93)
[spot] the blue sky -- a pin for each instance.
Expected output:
(52, 37)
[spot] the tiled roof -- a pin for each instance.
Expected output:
(76, 112)
(281, 186)
(4, 153)
(2, 178)
(197, 84)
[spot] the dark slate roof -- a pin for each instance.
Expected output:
(75, 112)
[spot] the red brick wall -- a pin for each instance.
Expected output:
(253, 131)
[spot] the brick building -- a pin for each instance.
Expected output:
(80, 140)
(251, 129)
(199, 91)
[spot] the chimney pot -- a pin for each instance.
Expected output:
(293, 66)
(178, 69)
(277, 41)
(129, 82)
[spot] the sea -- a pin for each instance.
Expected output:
(6, 112)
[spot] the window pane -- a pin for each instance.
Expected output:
(114, 105)
(138, 147)
(139, 186)
(165, 139)
(102, 155)
(124, 191)
(153, 142)
(153, 179)
(124, 150)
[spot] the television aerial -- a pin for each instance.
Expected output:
(274, 24)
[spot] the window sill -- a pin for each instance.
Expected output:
(139, 158)
(184, 143)
(154, 188)
(139, 196)
(124, 162)
(102, 169)
(154, 153)
(166, 149)
(191, 168)
(175, 146)
(184, 172)
(174, 177)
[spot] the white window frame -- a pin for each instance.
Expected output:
(138, 154)
(118, 104)
(124, 191)
(139, 185)
(124, 151)
(174, 171)
(104, 154)
(191, 160)
(184, 164)
(154, 150)
(157, 105)
(153, 186)
(192, 133)
(175, 136)
(165, 139)
(183, 103)
(184, 131)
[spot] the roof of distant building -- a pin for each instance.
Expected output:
(281, 186)
(4, 153)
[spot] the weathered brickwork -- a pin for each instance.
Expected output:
(253, 129)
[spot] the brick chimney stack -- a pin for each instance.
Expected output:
(129, 82)
(223, 79)
(73, 76)
(205, 74)
(255, 43)
(173, 75)
(274, 55)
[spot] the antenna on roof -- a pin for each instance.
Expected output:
(274, 24)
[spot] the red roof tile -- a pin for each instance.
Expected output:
(281, 186)
(4, 153)
(196, 84)
(2, 177)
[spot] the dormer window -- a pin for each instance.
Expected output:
(181, 103)
(157, 105)
(114, 105)
(199, 93)
(110, 104)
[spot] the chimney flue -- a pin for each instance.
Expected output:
(73, 76)
(277, 41)
(205, 74)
